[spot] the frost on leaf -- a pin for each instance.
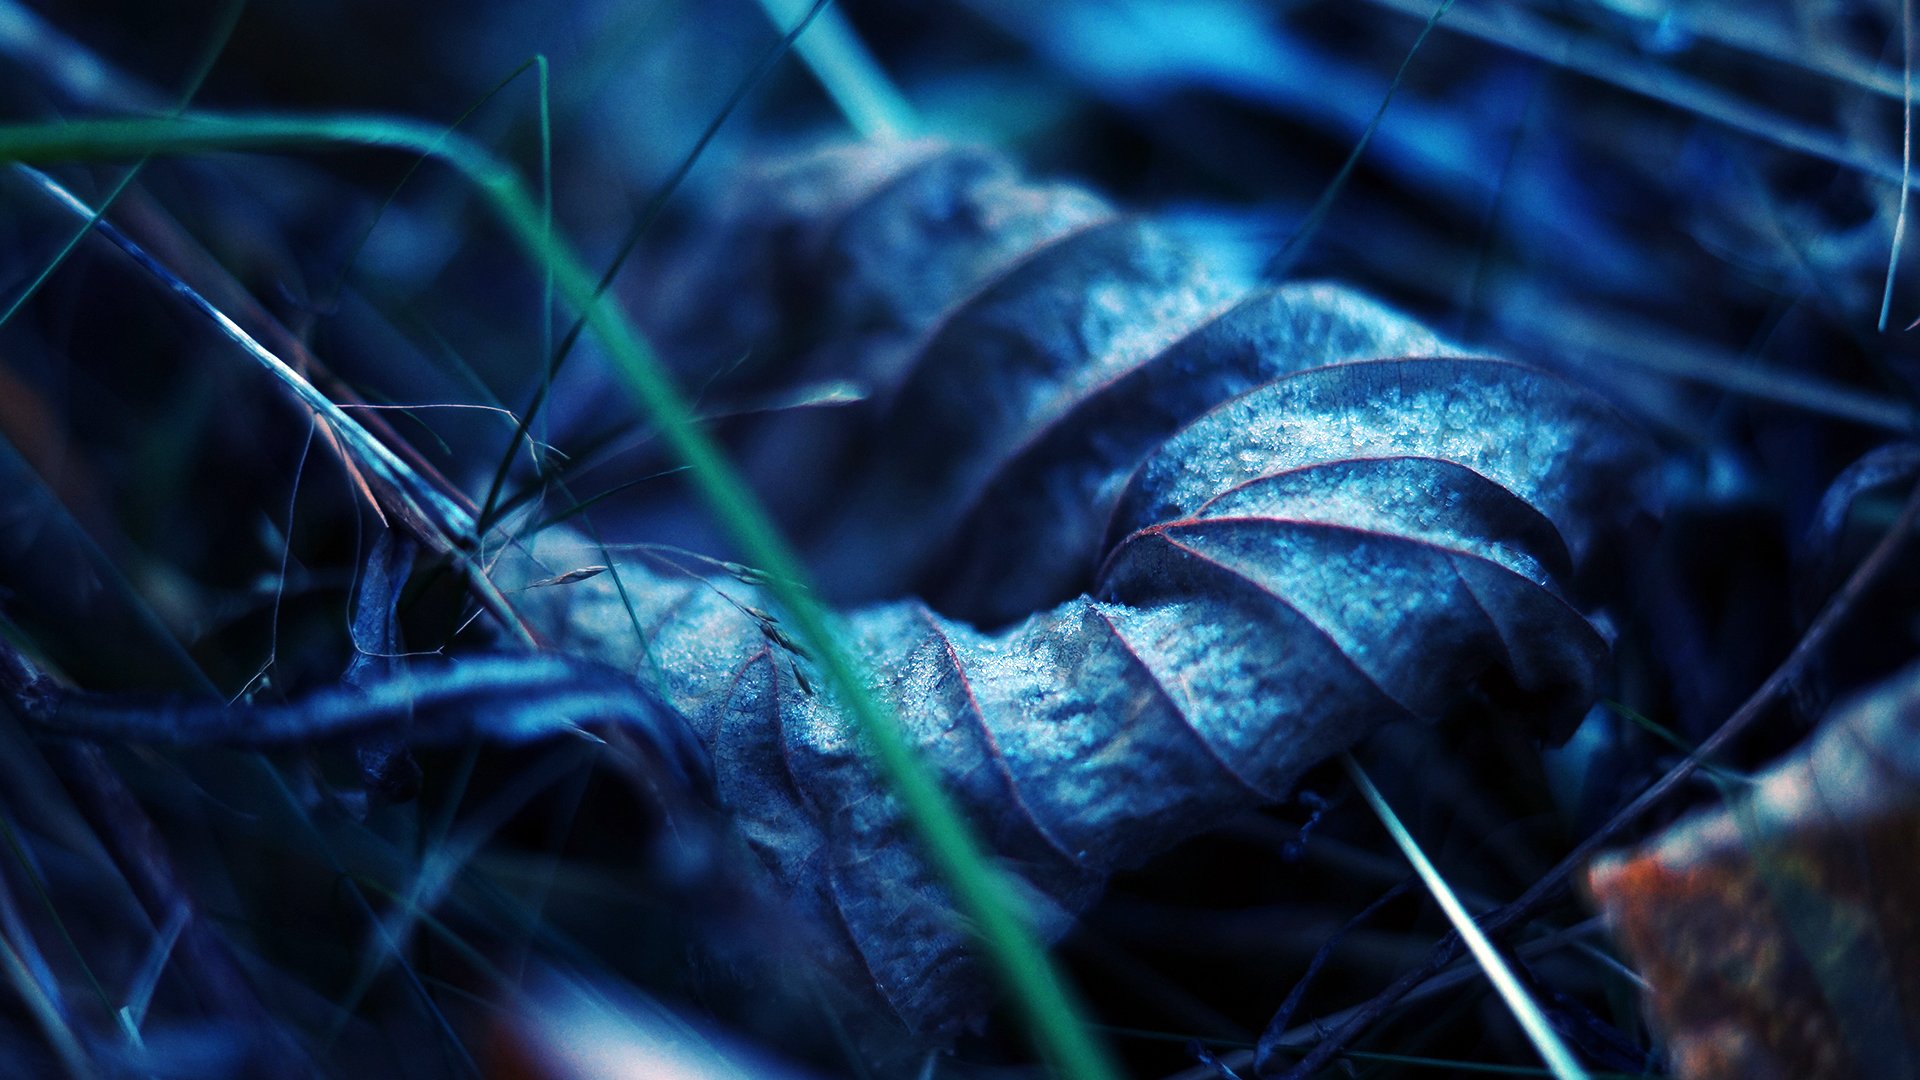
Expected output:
(1779, 931)
(1176, 539)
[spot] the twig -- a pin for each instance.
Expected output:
(509, 698)
(1304, 1035)
(1290, 251)
(1277, 1027)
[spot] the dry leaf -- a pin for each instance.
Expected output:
(1289, 513)
(1781, 931)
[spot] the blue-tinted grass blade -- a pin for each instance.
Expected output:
(445, 521)
(848, 72)
(1906, 160)
(1532, 1021)
(60, 1036)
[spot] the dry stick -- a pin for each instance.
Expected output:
(1303, 1035)
(1547, 890)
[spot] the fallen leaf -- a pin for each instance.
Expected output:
(1228, 531)
(1780, 932)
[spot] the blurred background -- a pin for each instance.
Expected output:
(1694, 206)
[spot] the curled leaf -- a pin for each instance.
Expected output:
(1227, 531)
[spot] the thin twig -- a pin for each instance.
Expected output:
(1290, 251)
(1283, 1016)
(509, 698)
(1307, 1034)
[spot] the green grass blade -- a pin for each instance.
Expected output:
(1559, 1059)
(979, 891)
(981, 894)
(373, 221)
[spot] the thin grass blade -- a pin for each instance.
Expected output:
(1538, 1029)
